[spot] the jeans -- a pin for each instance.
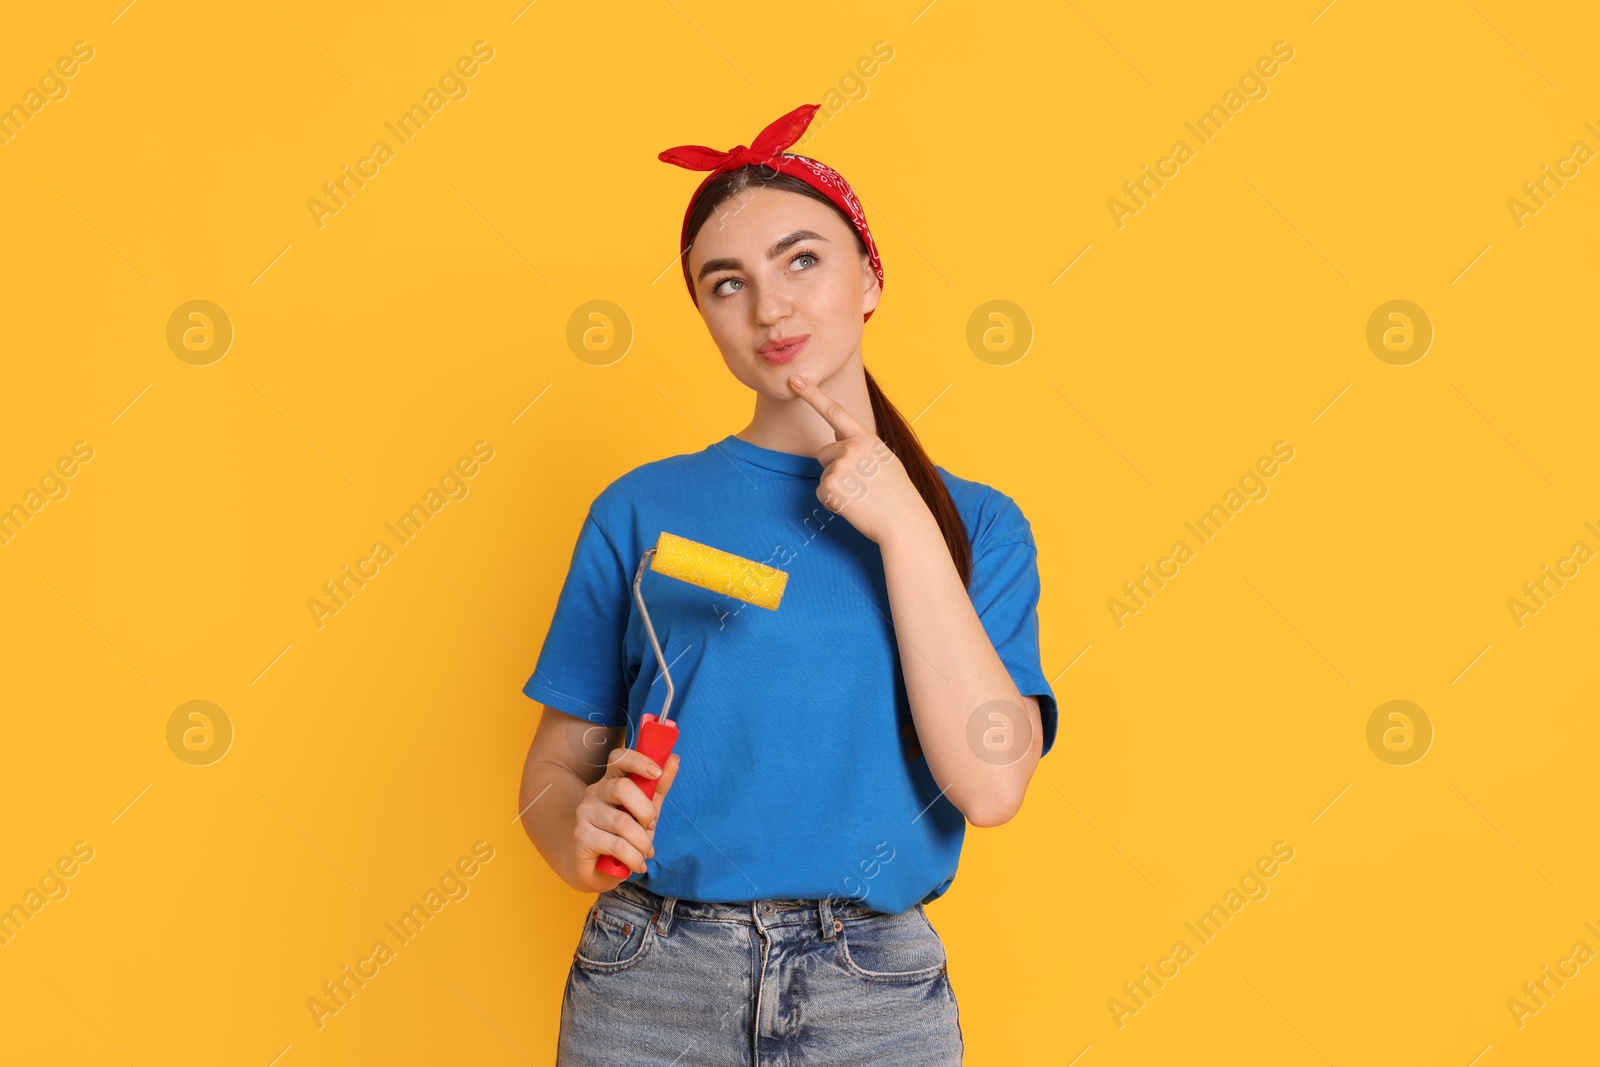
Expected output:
(667, 981)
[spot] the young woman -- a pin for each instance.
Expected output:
(832, 751)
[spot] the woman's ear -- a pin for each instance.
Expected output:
(871, 288)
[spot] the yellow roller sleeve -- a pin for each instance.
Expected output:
(721, 572)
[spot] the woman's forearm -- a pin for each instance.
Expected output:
(549, 798)
(954, 676)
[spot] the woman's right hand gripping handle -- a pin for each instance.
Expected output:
(615, 818)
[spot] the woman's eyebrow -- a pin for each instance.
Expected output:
(778, 249)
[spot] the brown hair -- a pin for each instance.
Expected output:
(893, 429)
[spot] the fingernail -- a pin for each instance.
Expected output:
(798, 382)
(653, 771)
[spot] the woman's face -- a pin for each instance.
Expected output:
(770, 265)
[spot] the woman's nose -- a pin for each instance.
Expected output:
(772, 304)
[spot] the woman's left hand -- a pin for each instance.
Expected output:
(862, 479)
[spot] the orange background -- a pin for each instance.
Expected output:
(1164, 356)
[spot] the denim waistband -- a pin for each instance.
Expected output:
(826, 914)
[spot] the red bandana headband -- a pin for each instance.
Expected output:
(767, 150)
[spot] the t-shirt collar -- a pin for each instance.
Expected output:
(770, 459)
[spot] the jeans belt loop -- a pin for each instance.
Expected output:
(663, 917)
(825, 919)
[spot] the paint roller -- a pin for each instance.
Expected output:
(709, 568)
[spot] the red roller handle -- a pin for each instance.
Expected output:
(655, 741)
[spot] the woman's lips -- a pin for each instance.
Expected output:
(779, 356)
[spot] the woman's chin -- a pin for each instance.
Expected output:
(776, 376)
(773, 378)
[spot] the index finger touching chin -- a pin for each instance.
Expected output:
(834, 413)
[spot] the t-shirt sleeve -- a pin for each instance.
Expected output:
(1005, 594)
(583, 665)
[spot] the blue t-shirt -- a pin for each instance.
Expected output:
(800, 775)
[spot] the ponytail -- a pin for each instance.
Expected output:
(896, 432)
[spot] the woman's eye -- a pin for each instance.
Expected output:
(716, 290)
